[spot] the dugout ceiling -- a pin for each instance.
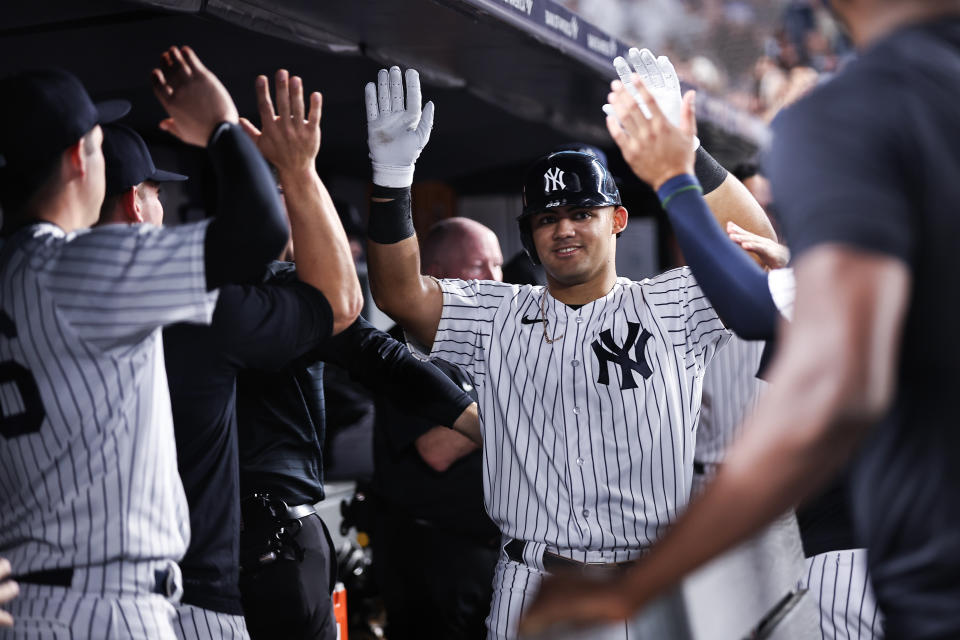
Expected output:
(511, 78)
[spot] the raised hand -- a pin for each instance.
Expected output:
(655, 149)
(660, 78)
(194, 98)
(288, 141)
(396, 132)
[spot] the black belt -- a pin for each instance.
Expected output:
(553, 563)
(165, 579)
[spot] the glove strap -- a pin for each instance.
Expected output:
(389, 175)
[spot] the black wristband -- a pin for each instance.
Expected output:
(391, 221)
(709, 172)
(389, 192)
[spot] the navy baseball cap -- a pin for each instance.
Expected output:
(42, 113)
(128, 161)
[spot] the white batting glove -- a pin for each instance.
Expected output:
(396, 134)
(661, 80)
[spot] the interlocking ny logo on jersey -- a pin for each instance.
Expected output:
(553, 180)
(609, 353)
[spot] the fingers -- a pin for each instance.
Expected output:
(652, 111)
(6, 620)
(264, 103)
(669, 74)
(652, 71)
(414, 98)
(192, 60)
(281, 84)
(170, 126)
(623, 69)
(296, 99)
(8, 591)
(396, 90)
(160, 87)
(608, 109)
(5, 568)
(249, 129)
(688, 113)
(316, 108)
(370, 100)
(426, 124)
(383, 90)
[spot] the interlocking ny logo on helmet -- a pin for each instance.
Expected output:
(564, 178)
(553, 180)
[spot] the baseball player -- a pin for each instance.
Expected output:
(92, 510)
(253, 326)
(865, 181)
(589, 387)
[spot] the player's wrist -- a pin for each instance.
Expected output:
(393, 176)
(675, 185)
(391, 216)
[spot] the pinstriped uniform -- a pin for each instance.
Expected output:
(840, 583)
(588, 441)
(197, 623)
(839, 580)
(730, 393)
(88, 469)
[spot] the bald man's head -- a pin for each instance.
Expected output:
(462, 248)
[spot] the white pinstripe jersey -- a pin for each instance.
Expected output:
(88, 466)
(588, 442)
(731, 390)
(783, 290)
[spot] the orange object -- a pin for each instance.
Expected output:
(340, 610)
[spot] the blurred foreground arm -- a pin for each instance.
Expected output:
(8, 591)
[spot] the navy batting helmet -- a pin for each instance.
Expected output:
(564, 178)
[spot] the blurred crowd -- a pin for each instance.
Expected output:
(756, 54)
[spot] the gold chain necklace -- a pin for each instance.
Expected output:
(543, 316)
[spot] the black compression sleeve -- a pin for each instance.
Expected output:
(735, 285)
(387, 367)
(710, 173)
(250, 227)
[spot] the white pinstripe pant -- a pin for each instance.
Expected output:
(43, 612)
(515, 585)
(840, 583)
(195, 623)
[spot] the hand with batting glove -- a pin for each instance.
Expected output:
(661, 81)
(396, 132)
(655, 148)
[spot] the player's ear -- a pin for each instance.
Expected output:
(74, 160)
(132, 210)
(620, 218)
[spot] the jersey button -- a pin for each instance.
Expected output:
(580, 461)
(586, 513)
(579, 319)
(576, 411)
(574, 363)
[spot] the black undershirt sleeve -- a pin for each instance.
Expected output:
(250, 228)
(387, 367)
(269, 326)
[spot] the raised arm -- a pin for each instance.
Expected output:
(8, 591)
(396, 134)
(727, 198)
(249, 229)
(290, 142)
